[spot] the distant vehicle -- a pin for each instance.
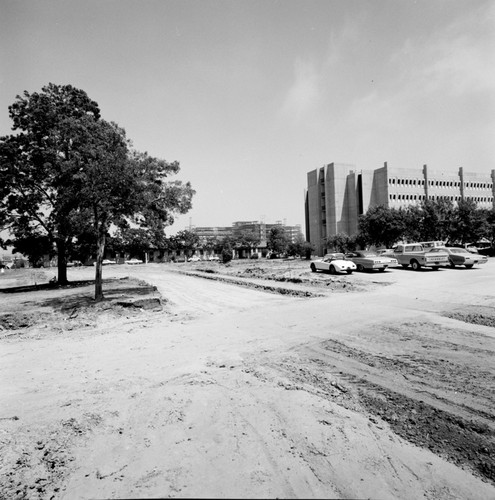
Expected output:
(417, 256)
(366, 260)
(106, 262)
(432, 244)
(388, 252)
(213, 257)
(463, 257)
(133, 261)
(72, 263)
(194, 258)
(334, 263)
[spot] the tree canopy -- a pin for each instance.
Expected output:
(68, 174)
(430, 221)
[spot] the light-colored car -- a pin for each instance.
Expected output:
(74, 263)
(334, 263)
(367, 260)
(386, 252)
(194, 258)
(133, 261)
(105, 262)
(214, 257)
(463, 257)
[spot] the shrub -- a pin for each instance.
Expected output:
(226, 255)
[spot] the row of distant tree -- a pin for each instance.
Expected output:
(278, 243)
(432, 220)
(136, 242)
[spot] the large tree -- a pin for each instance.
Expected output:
(245, 241)
(121, 187)
(381, 225)
(277, 241)
(469, 223)
(69, 173)
(33, 166)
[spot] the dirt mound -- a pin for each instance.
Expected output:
(477, 315)
(55, 310)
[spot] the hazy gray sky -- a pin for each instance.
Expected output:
(251, 95)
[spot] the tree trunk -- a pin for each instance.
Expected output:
(61, 262)
(100, 252)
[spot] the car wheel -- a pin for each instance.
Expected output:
(332, 270)
(451, 262)
(382, 269)
(469, 266)
(360, 268)
(436, 268)
(313, 268)
(416, 265)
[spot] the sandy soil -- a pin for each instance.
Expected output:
(252, 380)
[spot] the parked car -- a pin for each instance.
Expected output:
(388, 252)
(72, 263)
(334, 263)
(133, 261)
(194, 258)
(214, 257)
(366, 260)
(463, 257)
(415, 255)
(106, 262)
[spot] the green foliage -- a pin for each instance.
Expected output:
(134, 242)
(184, 241)
(489, 230)
(277, 240)
(69, 174)
(35, 169)
(469, 223)
(245, 240)
(431, 221)
(300, 248)
(226, 254)
(381, 226)
(34, 247)
(341, 242)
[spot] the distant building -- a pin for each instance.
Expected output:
(337, 194)
(261, 229)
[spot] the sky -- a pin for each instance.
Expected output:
(249, 96)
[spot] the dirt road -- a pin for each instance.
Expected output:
(382, 387)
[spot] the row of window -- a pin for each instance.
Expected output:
(419, 197)
(457, 184)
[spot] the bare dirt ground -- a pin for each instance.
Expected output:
(252, 380)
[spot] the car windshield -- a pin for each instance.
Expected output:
(366, 254)
(335, 256)
(456, 250)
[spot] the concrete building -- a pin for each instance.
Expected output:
(337, 194)
(260, 228)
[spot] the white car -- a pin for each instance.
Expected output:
(366, 260)
(194, 258)
(105, 262)
(334, 263)
(133, 261)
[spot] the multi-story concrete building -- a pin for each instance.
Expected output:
(337, 194)
(259, 228)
